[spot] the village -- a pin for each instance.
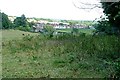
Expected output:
(56, 24)
(66, 39)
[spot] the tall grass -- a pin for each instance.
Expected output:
(66, 55)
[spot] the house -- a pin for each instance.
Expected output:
(57, 25)
(38, 27)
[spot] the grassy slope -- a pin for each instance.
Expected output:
(15, 34)
(62, 57)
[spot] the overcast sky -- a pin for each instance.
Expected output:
(55, 9)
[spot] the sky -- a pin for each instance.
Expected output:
(54, 9)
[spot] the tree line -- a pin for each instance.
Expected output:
(18, 23)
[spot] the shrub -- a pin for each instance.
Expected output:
(117, 68)
(27, 28)
(75, 31)
(48, 31)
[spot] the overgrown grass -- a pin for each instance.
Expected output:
(61, 56)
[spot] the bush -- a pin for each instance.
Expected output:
(75, 31)
(117, 68)
(27, 28)
(48, 31)
(24, 28)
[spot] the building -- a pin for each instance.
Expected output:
(57, 25)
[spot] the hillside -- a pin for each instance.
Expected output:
(63, 56)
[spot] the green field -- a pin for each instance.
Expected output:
(87, 31)
(64, 56)
(14, 34)
(17, 34)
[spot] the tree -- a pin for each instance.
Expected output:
(6, 23)
(112, 11)
(24, 21)
(21, 21)
(18, 22)
(111, 24)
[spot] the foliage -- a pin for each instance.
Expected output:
(117, 68)
(112, 11)
(104, 26)
(27, 28)
(17, 22)
(70, 56)
(48, 31)
(30, 24)
(6, 23)
(21, 21)
(111, 25)
(75, 31)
